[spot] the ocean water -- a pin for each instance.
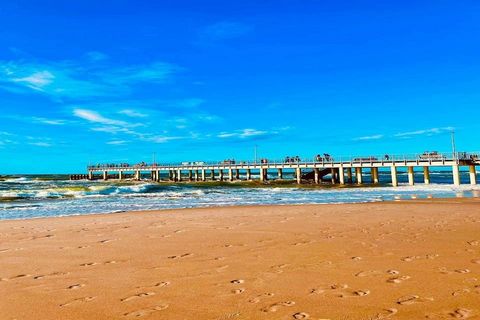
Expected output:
(42, 196)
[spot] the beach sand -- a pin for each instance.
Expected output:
(398, 260)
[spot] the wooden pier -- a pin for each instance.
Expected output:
(341, 171)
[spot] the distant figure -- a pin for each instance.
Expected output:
(387, 157)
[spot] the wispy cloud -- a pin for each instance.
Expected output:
(224, 30)
(80, 80)
(245, 133)
(96, 117)
(372, 137)
(53, 122)
(117, 142)
(41, 144)
(133, 113)
(427, 132)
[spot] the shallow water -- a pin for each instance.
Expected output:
(42, 196)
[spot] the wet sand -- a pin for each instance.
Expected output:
(402, 260)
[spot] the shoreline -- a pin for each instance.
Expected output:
(236, 206)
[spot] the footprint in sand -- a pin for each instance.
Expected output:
(221, 268)
(145, 312)
(106, 240)
(398, 279)
(279, 268)
(387, 313)
(156, 285)
(274, 307)
(260, 297)
(427, 256)
(411, 299)
(75, 286)
(88, 264)
(238, 291)
(76, 301)
(446, 271)
(237, 281)
(474, 242)
(340, 290)
(369, 273)
(355, 293)
(461, 313)
(301, 315)
(19, 276)
(139, 295)
(181, 256)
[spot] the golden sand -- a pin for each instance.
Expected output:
(404, 260)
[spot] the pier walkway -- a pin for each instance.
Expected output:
(338, 170)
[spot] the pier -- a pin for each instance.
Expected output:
(338, 170)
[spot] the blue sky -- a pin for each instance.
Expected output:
(98, 81)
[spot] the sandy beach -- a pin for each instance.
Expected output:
(398, 260)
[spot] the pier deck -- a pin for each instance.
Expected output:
(339, 170)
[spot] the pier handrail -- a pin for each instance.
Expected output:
(431, 156)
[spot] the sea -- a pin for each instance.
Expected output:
(34, 196)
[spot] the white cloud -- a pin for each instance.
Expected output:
(74, 80)
(132, 113)
(117, 142)
(244, 133)
(427, 132)
(96, 117)
(41, 144)
(54, 122)
(37, 80)
(372, 137)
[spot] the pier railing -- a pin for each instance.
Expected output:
(320, 159)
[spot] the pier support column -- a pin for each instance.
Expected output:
(299, 175)
(249, 174)
(358, 175)
(349, 175)
(196, 175)
(190, 175)
(204, 178)
(456, 175)
(341, 175)
(179, 175)
(212, 174)
(473, 174)
(411, 176)
(262, 174)
(316, 175)
(280, 174)
(393, 171)
(105, 175)
(426, 175)
(137, 175)
(334, 175)
(375, 175)
(120, 175)
(90, 175)
(230, 174)
(237, 174)
(220, 174)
